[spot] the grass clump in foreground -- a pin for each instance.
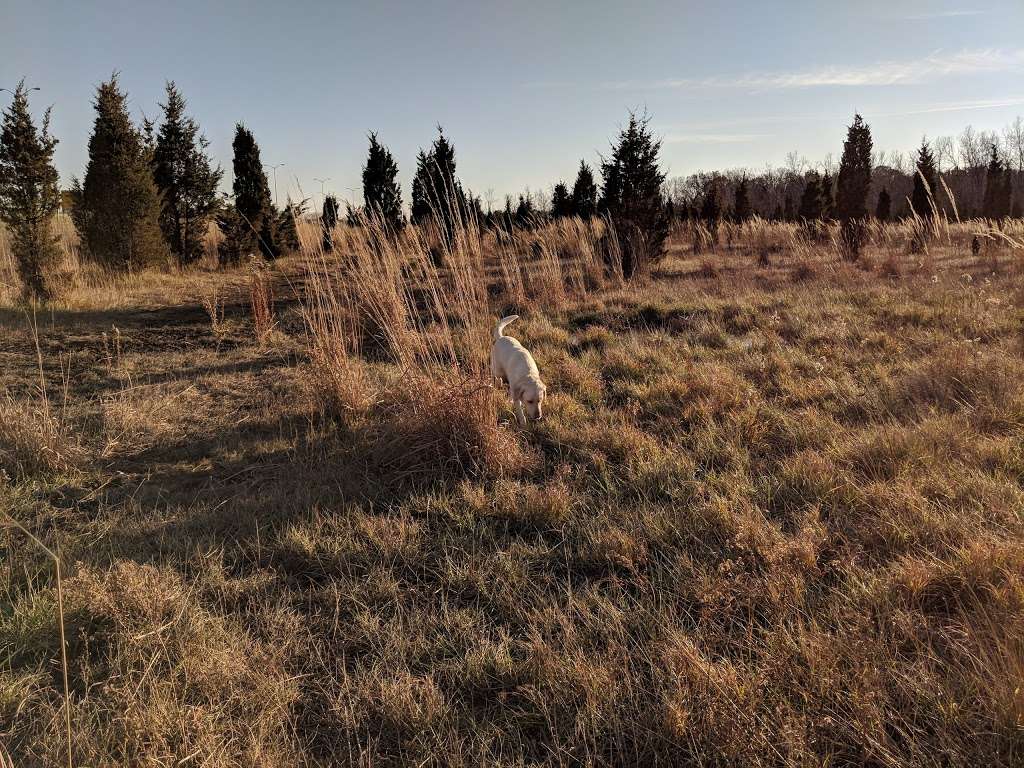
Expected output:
(773, 515)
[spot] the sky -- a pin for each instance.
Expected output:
(524, 89)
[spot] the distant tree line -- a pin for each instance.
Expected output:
(149, 193)
(975, 175)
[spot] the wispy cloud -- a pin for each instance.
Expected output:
(959, 106)
(713, 138)
(705, 131)
(907, 72)
(939, 15)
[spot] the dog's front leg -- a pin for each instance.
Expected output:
(517, 405)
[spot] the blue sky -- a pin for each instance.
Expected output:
(526, 89)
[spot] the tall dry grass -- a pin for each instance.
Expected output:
(79, 284)
(772, 517)
(417, 303)
(37, 437)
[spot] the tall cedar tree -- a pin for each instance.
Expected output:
(382, 195)
(827, 192)
(328, 221)
(789, 210)
(525, 215)
(631, 195)
(186, 179)
(561, 203)
(584, 193)
(853, 185)
(741, 207)
(506, 217)
(710, 208)
(420, 203)
(117, 207)
(355, 215)
(925, 182)
(883, 209)
(474, 207)
(998, 188)
(811, 199)
(29, 194)
(287, 229)
(252, 194)
(237, 241)
(436, 191)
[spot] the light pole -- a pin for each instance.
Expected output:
(275, 167)
(37, 88)
(322, 182)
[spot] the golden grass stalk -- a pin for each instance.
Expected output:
(261, 300)
(60, 625)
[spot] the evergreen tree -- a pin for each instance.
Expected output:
(328, 221)
(420, 182)
(584, 193)
(287, 229)
(853, 185)
(474, 208)
(789, 210)
(710, 208)
(827, 193)
(524, 215)
(507, 216)
(238, 241)
(811, 199)
(117, 206)
(670, 210)
(883, 209)
(252, 194)
(355, 215)
(998, 188)
(185, 178)
(436, 191)
(382, 196)
(925, 182)
(631, 195)
(561, 203)
(741, 206)
(29, 194)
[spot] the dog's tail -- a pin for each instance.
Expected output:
(505, 321)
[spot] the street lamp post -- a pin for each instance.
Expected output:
(275, 167)
(322, 182)
(37, 88)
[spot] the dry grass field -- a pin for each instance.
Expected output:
(774, 514)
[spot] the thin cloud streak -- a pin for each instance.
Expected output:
(713, 138)
(931, 67)
(940, 15)
(961, 106)
(679, 133)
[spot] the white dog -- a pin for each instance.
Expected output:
(512, 363)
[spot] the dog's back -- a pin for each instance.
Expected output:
(510, 360)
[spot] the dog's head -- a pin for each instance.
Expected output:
(532, 397)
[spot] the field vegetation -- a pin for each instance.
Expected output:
(773, 515)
